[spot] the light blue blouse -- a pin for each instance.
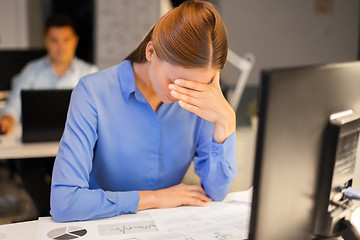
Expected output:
(114, 145)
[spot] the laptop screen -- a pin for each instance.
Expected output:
(44, 114)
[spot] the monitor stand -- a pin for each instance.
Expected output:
(334, 208)
(347, 232)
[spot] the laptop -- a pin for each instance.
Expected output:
(44, 114)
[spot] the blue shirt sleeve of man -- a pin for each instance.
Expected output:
(115, 145)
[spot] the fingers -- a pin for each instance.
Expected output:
(194, 198)
(177, 195)
(185, 95)
(194, 93)
(7, 123)
(182, 90)
(190, 99)
(200, 196)
(195, 192)
(195, 202)
(196, 188)
(200, 87)
(4, 126)
(189, 107)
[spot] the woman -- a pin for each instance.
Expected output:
(133, 129)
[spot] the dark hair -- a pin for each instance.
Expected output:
(191, 35)
(59, 21)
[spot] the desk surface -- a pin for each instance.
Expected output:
(29, 230)
(11, 147)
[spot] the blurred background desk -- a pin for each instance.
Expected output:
(11, 147)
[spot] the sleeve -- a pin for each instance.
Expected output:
(215, 163)
(71, 197)
(21, 81)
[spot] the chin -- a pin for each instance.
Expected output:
(168, 100)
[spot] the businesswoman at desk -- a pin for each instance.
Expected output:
(132, 130)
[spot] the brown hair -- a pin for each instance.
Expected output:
(59, 21)
(192, 35)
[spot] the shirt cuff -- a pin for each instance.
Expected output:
(126, 202)
(10, 111)
(217, 149)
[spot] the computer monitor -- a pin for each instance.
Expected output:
(13, 61)
(295, 106)
(44, 114)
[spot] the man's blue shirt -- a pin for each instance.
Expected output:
(114, 145)
(39, 74)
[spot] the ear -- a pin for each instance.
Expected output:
(150, 51)
(76, 40)
(46, 41)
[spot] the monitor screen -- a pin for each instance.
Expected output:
(294, 110)
(44, 114)
(13, 61)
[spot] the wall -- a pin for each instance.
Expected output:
(287, 33)
(21, 24)
(13, 28)
(35, 23)
(284, 33)
(120, 26)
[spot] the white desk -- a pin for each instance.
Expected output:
(11, 147)
(29, 230)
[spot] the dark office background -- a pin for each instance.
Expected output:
(82, 13)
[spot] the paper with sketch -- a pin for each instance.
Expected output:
(221, 220)
(218, 221)
(122, 227)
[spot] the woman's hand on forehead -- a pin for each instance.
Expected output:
(208, 102)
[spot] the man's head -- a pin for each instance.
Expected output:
(60, 39)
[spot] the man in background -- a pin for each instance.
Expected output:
(59, 69)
